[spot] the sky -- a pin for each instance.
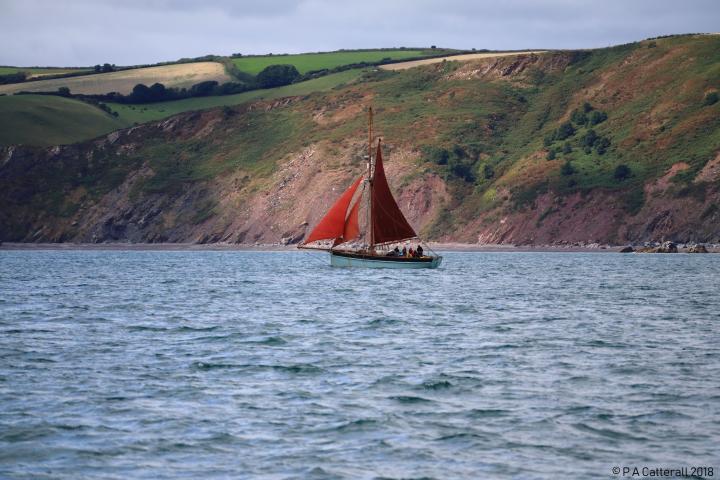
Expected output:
(131, 32)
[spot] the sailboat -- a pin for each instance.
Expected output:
(339, 230)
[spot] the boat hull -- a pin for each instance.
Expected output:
(342, 259)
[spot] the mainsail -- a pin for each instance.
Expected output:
(333, 224)
(388, 222)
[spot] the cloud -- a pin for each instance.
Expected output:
(87, 32)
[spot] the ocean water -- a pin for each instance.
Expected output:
(273, 365)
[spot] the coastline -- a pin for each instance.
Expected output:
(439, 247)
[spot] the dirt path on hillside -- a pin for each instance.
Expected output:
(455, 58)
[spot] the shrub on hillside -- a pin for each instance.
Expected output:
(549, 139)
(550, 154)
(277, 75)
(461, 168)
(436, 155)
(567, 148)
(566, 130)
(622, 172)
(567, 169)
(488, 172)
(579, 117)
(711, 98)
(597, 117)
(588, 140)
(602, 145)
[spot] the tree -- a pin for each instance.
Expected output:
(107, 68)
(550, 155)
(97, 68)
(567, 169)
(711, 98)
(567, 148)
(587, 108)
(140, 93)
(157, 92)
(277, 75)
(16, 77)
(622, 172)
(230, 88)
(64, 91)
(203, 89)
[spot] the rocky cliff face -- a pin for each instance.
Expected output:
(466, 148)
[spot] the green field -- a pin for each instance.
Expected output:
(44, 120)
(155, 111)
(307, 62)
(34, 71)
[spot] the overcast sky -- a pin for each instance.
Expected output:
(127, 32)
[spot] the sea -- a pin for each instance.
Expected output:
(274, 365)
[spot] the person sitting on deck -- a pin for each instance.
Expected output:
(411, 252)
(419, 251)
(396, 252)
(404, 252)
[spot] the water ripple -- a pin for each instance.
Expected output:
(271, 365)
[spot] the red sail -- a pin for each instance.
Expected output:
(352, 225)
(388, 222)
(332, 224)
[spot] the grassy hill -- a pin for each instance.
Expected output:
(610, 145)
(307, 62)
(46, 111)
(48, 120)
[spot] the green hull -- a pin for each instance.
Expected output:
(357, 260)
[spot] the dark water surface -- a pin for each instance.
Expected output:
(129, 364)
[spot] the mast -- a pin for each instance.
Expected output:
(370, 182)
